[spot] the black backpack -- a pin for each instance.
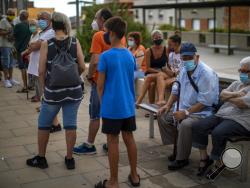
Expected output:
(64, 69)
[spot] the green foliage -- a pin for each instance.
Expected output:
(221, 30)
(166, 27)
(86, 32)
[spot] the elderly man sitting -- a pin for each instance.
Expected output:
(232, 119)
(199, 91)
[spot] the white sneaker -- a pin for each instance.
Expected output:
(7, 84)
(14, 82)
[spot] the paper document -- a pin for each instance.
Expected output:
(149, 107)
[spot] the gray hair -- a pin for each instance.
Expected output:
(23, 15)
(156, 32)
(60, 17)
(47, 14)
(245, 61)
(33, 22)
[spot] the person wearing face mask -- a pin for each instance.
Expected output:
(22, 36)
(34, 59)
(232, 119)
(138, 51)
(166, 78)
(6, 47)
(100, 43)
(47, 33)
(195, 103)
(156, 59)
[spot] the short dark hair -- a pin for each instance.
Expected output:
(175, 39)
(105, 13)
(116, 25)
(136, 36)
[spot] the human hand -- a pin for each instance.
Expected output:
(179, 115)
(163, 109)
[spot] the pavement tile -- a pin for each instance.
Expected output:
(5, 134)
(16, 151)
(3, 165)
(179, 180)
(26, 175)
(75, 181)
(82, 166)
(96, 176)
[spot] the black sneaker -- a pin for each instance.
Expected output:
(178, 164)
(55, 128)
(37, 161)
(105, 147)
(70, 163)
(171, 157)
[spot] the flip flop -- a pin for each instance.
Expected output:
(101, 184)
(133, 183)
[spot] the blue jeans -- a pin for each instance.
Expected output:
(7, 58)
(49, 111)
(220, 129)
(94, 105)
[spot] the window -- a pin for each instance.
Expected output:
(211, 24)
(183, 23)
(150, 14)
(196, 25)
(171, 20)
(161, 14)
(136, 14)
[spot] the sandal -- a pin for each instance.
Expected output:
(133, 183)
(23, 90)
(101, 184)
(207, 163)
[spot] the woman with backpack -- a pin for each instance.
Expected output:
(60, 66)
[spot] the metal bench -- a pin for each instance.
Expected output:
(217, 48)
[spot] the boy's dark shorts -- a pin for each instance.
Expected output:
(115, 126)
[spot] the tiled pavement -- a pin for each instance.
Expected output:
(18, 141)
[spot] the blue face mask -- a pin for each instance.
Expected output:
(32, 29)
(189, 65)
(244, 78)
(43, 24)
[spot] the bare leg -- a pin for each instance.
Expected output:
(113, 156)
(203, 156)
(145, 87)
(93, 130)
(24, 77)
(70, 141)
(43, 138)
(56, 121)
(132, 154)
(10, 73)
(161, 87)
(6, 74)
(151, 93)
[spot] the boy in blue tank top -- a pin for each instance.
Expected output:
(115, 88)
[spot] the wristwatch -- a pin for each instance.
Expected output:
(186, 112)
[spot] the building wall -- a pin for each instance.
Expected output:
(33, 12)
(240, 18)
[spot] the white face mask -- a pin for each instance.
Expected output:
(131, 43)
(95, 26)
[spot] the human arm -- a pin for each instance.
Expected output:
(42, 64)
(80, 57)
(100, 84)
(34, 46)
(166, 108)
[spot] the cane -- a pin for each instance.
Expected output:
(176, 123)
